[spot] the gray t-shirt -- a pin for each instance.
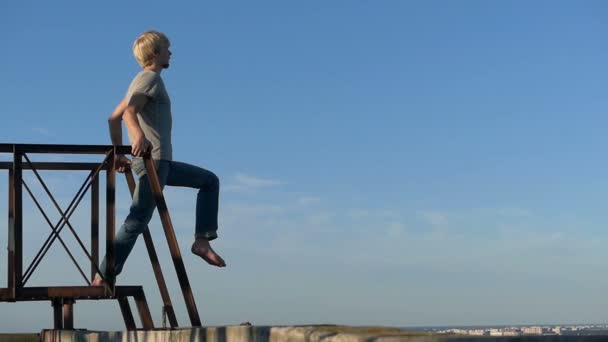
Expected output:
(155, 118)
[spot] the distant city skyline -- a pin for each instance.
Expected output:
(523, 330)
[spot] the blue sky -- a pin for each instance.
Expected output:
(389, 162)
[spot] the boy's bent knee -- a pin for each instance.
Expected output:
(211, 184)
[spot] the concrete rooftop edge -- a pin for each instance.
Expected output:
(316, 333)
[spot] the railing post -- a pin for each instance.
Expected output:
(16, 243)
(57, 313)
(68, 313)
(110, 218)
(176, 255)
(94, 226)
(11, 233)
(158, 272)
(127, 315)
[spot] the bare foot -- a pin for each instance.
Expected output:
(98, 282)
(202, 248)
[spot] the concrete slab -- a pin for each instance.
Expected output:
(320, 333)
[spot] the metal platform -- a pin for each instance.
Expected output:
(63, 297)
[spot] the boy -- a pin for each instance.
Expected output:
(146, 111)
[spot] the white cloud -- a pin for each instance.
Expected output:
(514, 212)
(309, 200)
(503, 212)
(320, 219)
(557, 236)
(396, 230)
(435, 218)
(252, 209)
(42, 131)
(245, 183)
(358, 213)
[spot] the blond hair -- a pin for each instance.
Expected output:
(147, 45)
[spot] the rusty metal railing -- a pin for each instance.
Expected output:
(63, 297)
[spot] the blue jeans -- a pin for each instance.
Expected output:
(171, 173)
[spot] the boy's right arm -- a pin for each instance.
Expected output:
(115, 123)
(127, 111)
